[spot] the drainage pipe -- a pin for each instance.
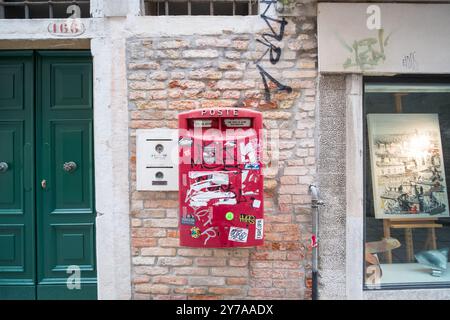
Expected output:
(315, 204)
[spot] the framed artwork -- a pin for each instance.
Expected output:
(408, 175)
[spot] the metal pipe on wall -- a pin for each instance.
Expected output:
(315, 204)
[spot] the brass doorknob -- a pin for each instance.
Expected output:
(70, 166)
(3, 167)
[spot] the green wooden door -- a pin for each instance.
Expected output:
(17, 209)
(61, 249)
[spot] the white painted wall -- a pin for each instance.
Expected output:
(419, 41)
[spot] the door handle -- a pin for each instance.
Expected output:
(3, 167)
(44, 184)
(69, 166)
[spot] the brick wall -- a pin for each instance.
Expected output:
(167, 75)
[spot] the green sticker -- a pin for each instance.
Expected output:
(229, 216)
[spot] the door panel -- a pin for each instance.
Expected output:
(71, 140)
(65, 207)
(17, 215)
(12, 84)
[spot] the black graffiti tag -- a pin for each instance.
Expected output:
(274, 51)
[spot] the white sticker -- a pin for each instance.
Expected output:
(259, 229)
(238, 234)
(256, 203)
(237, 123)
(202, 123)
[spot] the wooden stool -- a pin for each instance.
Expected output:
(408, 225)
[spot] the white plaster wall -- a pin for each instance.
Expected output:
(417, 30)
(111, 164)
(355, 186)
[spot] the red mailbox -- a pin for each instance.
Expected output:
(221, 181)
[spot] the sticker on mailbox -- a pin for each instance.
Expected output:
(259, 228)
(238, 234)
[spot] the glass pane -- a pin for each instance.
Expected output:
(200, 8)
(223, 8)
(178, 8)
(407, 165)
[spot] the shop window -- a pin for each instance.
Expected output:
(407, 177)
(201, 7)
(41, 9)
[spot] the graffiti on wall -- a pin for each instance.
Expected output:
(273, 50)
(409, 62)
(366, 53)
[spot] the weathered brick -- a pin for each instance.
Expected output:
(266, 292)
(145, 105)
(156, 251)
(236, 281)
(230, 272)
(205, 74)
(186, 84)
(232, 54)
(161, 223)
(238, 262)
(144, 66)
(240, 44)
(136, 222)
(206, 281)
(195, 252)
(213, 42)
(225, 291)
(174, 261)
(151, 270)
(217, 103)
(173, 280)
(157, 94)
(209, 53)
(234, 85)
(277, 115)
(136, 95)
(148, 232)
(184, 104)
(144, 242)
(299, 74)
(152, 288)
(231, 94)
(233, 75)
(168, 242)
(190, 290)
(190, 271)
(295, 171)
(210, 262)
(158, 75)
(141, 279)
(143, 260)
(172, 44)
(231, 65)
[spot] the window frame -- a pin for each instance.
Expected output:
(392, 80)
(50, 5)
(251, 3)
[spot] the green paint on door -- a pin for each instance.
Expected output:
(47, 215)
